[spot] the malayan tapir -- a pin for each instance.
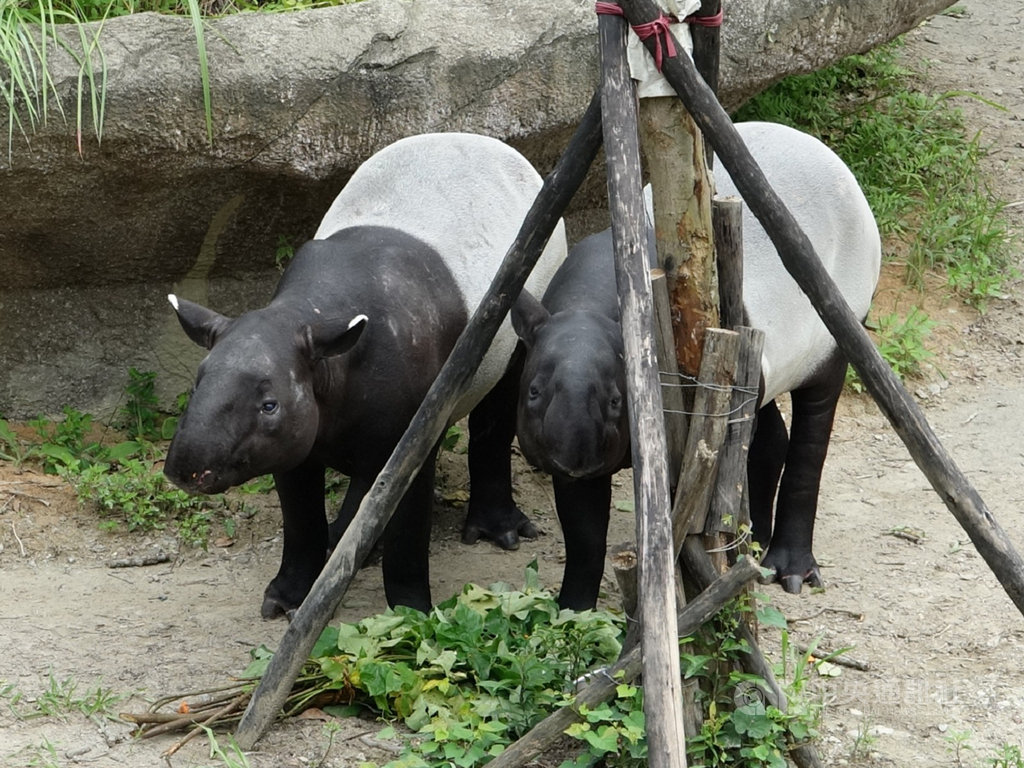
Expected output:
(331, 371)
(572, 419)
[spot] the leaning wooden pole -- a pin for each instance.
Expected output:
(424, 429)
(798, 256)
(662, 690)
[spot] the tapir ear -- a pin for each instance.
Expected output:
(528, 315)
(202, 325)
(328, 338)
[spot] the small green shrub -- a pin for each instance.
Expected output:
(135, 494)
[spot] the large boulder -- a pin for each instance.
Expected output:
(92, 239)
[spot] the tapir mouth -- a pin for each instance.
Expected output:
(205, 481)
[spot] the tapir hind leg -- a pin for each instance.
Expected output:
(814, 408)
(492, 512)
(301, 492)
(764, 468)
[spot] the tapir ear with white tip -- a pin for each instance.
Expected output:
(328, 338)
(528, 315)
(202, 325)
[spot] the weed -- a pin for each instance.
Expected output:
(1009, 756)
(12, 447)
(901, 341)
(232, 757)
(863, 740)
(959, 742)
(284, 252)
(138, 496)
(62, 698)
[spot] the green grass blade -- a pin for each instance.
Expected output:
(204, 70)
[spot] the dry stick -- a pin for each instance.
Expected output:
(662, 702)
(428, 423)
(226, 710)
(703, 573)
(627, 668)
(798, 257)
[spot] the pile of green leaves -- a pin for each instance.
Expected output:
(469, 677)
(741, 729)
(482, 668)
(909, 152)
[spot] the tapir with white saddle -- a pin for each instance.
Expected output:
(331, 371)
(572, 419)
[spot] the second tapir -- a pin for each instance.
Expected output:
(331, 371)
(572, 419)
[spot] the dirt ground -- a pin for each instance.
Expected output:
(942, 641)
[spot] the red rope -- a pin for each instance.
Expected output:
(659, 28)
(707, 21)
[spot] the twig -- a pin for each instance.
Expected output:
(841, 659)
(140, 561)
(233, 706)
(17, 538)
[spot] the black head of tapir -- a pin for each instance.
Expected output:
(257, 389)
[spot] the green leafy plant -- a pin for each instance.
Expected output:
(901, 341)
(135, 494)
(1008, 756)
(12, 447)
(62, 698)
(141, 416)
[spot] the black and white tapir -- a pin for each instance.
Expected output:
(331, 371)
(572, 419)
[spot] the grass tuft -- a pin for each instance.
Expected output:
(911, 154)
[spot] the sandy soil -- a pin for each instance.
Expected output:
(941, 639)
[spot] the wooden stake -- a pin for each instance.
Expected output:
(424, 429)
(662, 704)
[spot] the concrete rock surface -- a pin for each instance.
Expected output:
(91, 241)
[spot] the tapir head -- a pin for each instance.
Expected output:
(572, 417)
(254, 409)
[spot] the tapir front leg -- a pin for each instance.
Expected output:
(583, 511)
(406, 539)
(790, 552)
(492, 512)
(301, 492)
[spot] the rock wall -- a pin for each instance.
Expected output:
(91, 241)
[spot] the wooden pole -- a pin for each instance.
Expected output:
(708, 424)
(798, 256)
(730, 509)
(662, 703)
(626, 669)
(424, 429)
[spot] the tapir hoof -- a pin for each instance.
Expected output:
(276, 605)
(503, 530)
(791, 571)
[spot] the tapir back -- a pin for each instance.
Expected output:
(824, 197)
(492, 187)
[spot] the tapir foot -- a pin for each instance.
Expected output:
(503, 528)
(276, 603)
(792, 569)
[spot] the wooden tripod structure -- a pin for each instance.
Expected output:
(657, 547)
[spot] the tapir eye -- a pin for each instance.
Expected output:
(534, 391)
(269, 407)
